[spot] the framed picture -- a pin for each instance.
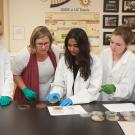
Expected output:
(133, 42)
(106, 38)
(111, 5)
(129, 20)
(128, 6)
(110, 21)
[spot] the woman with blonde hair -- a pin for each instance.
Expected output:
(34, 66)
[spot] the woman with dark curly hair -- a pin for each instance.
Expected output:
(79, 73)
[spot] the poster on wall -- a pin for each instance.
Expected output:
(60, 24)
(18, 33)
(71, 5)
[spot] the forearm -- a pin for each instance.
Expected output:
(19, 81)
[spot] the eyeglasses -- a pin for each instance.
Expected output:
(47, 45)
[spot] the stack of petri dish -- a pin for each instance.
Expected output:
(111, 116)
(128, 116)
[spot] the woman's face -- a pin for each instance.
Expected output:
(117, 45)
(43, 45)
(73, 47)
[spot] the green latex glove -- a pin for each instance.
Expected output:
(29, 94)
(5, 101)
(108, 88)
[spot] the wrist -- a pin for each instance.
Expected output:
(25, 88)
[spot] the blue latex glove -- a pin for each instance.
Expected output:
(5, 100)
(29, 94)
(66, 102)
(53, 96)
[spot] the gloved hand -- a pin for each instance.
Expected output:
(66, 102)
(29, 94)
(108, 88)
(5, 100)
(53, 97)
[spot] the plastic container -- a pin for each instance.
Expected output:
(128, 116)
(97, 116)
(111, 116)
(53, 101)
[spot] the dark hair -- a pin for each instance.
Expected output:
(125, 31)
(83, 58)
(39, 32)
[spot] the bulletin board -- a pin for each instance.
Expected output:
(60, 23)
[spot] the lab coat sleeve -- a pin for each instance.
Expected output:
(20, 61)
(8, 77)
(125, 87)
(91, 93)
(58, 86)
(57, 51)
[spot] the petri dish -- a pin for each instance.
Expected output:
(97, 118)
(23, 107)
(128, 116)
(111, 116)
(97, 113)
(124, 114)
(85, 115)
(41, 106)
(53, 101)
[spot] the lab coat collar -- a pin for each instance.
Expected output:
(122, 61)
(110, 62)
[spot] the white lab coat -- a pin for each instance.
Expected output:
(84, 91)
(6, 77)
(122, 75)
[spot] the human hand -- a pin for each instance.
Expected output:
(66, 102)
(53, 98)
(108, 88)
(29, 94)
(5, 101)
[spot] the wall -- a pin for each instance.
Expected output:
(1, 10)
(27, 14)
(120, 14)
